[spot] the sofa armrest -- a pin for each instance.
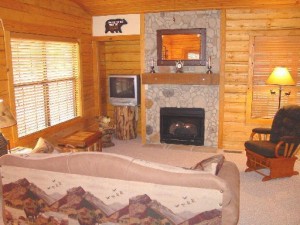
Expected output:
(230, 174)
(227, 182)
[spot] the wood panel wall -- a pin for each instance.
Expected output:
(239, 24)
(52, 18)
(118, 55)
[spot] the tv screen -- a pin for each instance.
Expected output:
(124, 90)
(122, 87)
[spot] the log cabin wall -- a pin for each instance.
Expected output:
(52, 18)
(66, 19)
(238, 25)
(119, 55)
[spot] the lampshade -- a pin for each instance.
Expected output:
(6, 118)
(280, 76)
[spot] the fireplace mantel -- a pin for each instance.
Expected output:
(180, 78)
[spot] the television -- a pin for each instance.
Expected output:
(124, 90)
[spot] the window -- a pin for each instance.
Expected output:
(269, 51)
(45, 77)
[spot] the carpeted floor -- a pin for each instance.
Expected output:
(275, 202)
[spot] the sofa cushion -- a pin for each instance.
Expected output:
(212, 164)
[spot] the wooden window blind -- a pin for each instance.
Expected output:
(45, 75)
(269, 52)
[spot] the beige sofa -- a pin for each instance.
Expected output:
(90, 188)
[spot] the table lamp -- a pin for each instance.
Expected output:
(281, 77)
(6, 120)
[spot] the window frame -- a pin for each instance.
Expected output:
(252, 36)
(57, 127)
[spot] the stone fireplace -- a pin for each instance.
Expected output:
(158, 96)
(182, 125)
(183, 96)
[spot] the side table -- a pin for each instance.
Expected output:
(82, 141)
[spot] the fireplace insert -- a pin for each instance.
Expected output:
(182, 126)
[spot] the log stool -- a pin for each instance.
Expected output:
(126, 122)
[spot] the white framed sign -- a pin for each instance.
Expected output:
(114, 25)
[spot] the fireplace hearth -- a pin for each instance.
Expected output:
(182, 125)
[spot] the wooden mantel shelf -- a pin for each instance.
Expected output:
(180, 78)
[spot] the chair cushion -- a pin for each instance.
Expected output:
(264, 148)
(286, 123)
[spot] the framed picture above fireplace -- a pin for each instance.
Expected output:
(186, 45)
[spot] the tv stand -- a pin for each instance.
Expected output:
(126, 122)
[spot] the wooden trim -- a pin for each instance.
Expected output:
(42, 37)
(142, 42)
(117, 38)
(180, 78)
(143, 91)
(250, 86)
(7, 37)
(99, 8)
(97, 99)
(222, 78)
(80, 78)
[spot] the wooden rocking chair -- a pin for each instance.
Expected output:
(276, 148)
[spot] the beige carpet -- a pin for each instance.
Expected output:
(182, 147)
(276, 202)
